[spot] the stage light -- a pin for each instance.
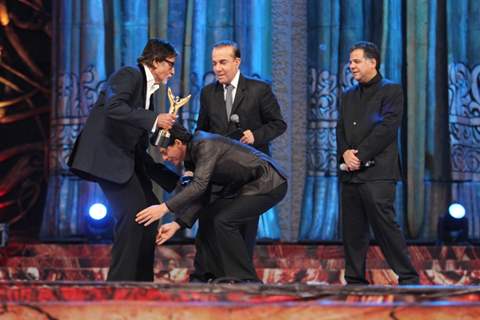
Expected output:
(97, 211)
(456, 210)
(99, 223)
(452, 227)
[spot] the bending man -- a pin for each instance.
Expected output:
(234, 183)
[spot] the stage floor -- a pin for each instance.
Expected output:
(66, 281)
(275, 263)
(100, 300)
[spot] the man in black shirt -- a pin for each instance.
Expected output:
(370, 115)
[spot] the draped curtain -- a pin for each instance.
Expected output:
(193, 26)
(94, 38)
(333, 27)
(90, 40)
(463, 30)
(439, 138)
(301, 47)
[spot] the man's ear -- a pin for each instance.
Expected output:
(155, 64)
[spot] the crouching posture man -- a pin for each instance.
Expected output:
(232, 184)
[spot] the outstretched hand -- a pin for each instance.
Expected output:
(166, 231)
(151, 214)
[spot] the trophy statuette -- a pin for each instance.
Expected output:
(176, 103)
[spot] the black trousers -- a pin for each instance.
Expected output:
(222, 249)
(133, 249)
(372, 203)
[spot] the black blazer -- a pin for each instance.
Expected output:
(230, 167)
(115, 135)
(369, 120)
(255, 105)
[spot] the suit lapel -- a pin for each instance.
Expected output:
(240, 94)
(144, 83)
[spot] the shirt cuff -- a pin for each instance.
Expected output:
(154, 128)
(182, 224)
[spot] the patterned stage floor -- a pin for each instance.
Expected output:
(53, 281)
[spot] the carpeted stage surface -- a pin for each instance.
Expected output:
(52, 281)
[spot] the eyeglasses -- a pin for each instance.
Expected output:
(170, 63)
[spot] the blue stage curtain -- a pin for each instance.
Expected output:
(463, 30)
(333, 27)
(91, 39)
(440, 144)
(94, 38)
(426, 161)
(193, 26)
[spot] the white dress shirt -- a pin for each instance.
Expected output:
(151, 88)
(234, 83)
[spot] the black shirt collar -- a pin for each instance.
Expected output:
(372, 81)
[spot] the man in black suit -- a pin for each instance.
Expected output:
(242, 108)
(112, 150)
(370, 115)
(247, 183)
(252, 101)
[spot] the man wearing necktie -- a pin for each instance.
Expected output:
(112, 151)
(235, 102)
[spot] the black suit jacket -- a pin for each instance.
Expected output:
(370, 116)
(230, 167)
(114, 139)
(255, 105)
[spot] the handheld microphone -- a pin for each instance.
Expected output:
(368, 164)
(235, 119)
(237, 134)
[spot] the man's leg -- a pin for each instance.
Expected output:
(249, 232)
(229, 216)
(126, 200)
(355, 234)
(379, 199)
(207, 263)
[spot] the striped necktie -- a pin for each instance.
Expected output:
(229, 101)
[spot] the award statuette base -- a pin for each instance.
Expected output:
(163, 139)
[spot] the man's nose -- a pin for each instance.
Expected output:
(164, 157)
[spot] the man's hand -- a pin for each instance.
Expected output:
(165, 120)
(351, 160)
(151, 214)
(247, 137)
(166, 231)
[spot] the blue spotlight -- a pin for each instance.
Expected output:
(452, 227)
(97, 211)
(456, 210)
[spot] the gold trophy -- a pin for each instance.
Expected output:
(163, 136)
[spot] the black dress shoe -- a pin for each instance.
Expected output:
(409, 282)
(230, 280)
(233, 280)
(205, 278)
